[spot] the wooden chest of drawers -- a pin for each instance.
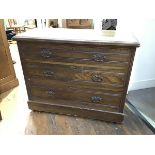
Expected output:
(77, 72)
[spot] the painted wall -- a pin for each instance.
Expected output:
(143, 72)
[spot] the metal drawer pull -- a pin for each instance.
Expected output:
(50, 92)
(99, 58)
(96, 99)
(45, 53)
(48, 73)
(96, 78)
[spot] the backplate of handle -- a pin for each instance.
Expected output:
(50, 92)
(97, 78)
(99, 58)
(96, 99)
(48, 73)
(46, 53)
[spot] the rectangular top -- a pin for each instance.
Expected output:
(79, 36)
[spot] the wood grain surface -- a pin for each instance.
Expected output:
(8, 78)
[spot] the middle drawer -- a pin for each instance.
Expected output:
(91, 76)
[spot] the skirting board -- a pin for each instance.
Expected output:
(142, 84)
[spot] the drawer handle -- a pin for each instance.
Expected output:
(97, 78)
(50, 92)
(96, 99)
(48, 73)
(99, 58)
(45, 53)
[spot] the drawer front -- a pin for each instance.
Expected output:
(88, 101)
(76, 54)
(74, 96)
(91, 76)
(39, 89)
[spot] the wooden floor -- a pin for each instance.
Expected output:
(50, 124)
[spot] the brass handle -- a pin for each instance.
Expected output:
(99, 58)
(45, 53)
(50, 92)
(96, 99)
(97, 78)
(48, 73)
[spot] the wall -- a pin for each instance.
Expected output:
(143, 72)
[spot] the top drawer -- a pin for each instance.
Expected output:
(71, 53)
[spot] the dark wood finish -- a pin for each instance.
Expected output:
(53, 90)
(77, 111)
(91, 76)
(8, 78)
(109, 56)
(87, 80)
(40, 123)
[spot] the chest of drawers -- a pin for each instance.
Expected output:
(77, 72)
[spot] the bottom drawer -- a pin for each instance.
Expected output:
(71, 95)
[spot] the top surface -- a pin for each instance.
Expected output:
(80, 36)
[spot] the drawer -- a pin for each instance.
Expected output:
(75, 96)
(70, 53)
(38, 81)
(39, 89)
(90, 76)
